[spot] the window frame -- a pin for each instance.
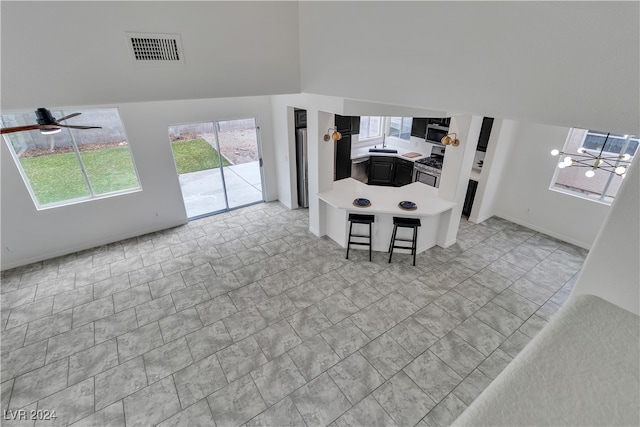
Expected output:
(80, 163)
(372, 137)
(402, 122)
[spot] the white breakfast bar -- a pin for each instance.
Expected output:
(432, 211)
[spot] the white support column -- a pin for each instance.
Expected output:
(502, 135)
(321, 161)
(456, 171)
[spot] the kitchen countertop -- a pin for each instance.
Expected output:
(385, 199)
(364, 152)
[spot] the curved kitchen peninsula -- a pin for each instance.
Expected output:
(433, 211)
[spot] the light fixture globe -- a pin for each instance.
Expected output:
(332, 133)
(596, 161)
(450, 139)
(51, 131)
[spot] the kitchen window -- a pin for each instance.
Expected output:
(74, 164)
(603, 186)
(400, 127)
(370, 127)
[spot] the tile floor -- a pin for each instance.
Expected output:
(247, 318)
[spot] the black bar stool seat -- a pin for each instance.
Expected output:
(413, 223)
(360, 219)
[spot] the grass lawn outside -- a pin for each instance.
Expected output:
(195, 155)
(58, 177)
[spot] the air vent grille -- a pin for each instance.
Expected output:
(145, 47)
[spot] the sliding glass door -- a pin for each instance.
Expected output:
(218, 164)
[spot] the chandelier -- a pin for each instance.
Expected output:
(617, 164)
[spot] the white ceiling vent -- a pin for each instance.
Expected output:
(155, 47)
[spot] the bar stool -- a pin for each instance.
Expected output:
(405, 223)
(360, 219)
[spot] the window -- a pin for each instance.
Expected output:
(400, 127)
(603, 186)
(370, 127)
(74, 164)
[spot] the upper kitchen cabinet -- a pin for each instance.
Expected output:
(419, 127)
(485, 133)
(440, 121)
(300, 118)
(347, 125)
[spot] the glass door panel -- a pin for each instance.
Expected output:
(239, 145)
(195, 151)
(218, 165)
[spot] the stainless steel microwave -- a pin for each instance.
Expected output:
(435, 133)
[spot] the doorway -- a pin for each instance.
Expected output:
(219, 165)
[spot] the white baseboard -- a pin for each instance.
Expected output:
(83, 247)
(543, 230)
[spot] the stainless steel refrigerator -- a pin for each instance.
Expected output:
(302, 160)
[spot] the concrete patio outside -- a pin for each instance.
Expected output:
(203, 192)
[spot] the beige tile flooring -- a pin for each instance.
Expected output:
(247, 318)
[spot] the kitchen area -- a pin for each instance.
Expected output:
(396, 165)
(413, 154)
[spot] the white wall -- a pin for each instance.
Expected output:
(545, 62)
(57, 53)
(495, 160)
(34, 235)
(523, 195)
(611, 270)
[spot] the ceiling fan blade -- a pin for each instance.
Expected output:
(79, 127)
(68, 117)
(24, 128)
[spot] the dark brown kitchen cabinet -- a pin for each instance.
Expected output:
(381, 170)
(468, 200)
(403, 172)
(485, 133)
(419, 127)
(343, 158)
(347, 125)
(300, 118)
(391, 171)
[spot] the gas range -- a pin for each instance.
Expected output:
(429, 164)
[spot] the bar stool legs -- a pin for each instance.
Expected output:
(360, 219)
(413, 223)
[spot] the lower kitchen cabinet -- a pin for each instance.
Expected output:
(404, 172)
(468, 200)
(381, 170)
(387, 170)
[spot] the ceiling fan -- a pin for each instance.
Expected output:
(47, 123)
